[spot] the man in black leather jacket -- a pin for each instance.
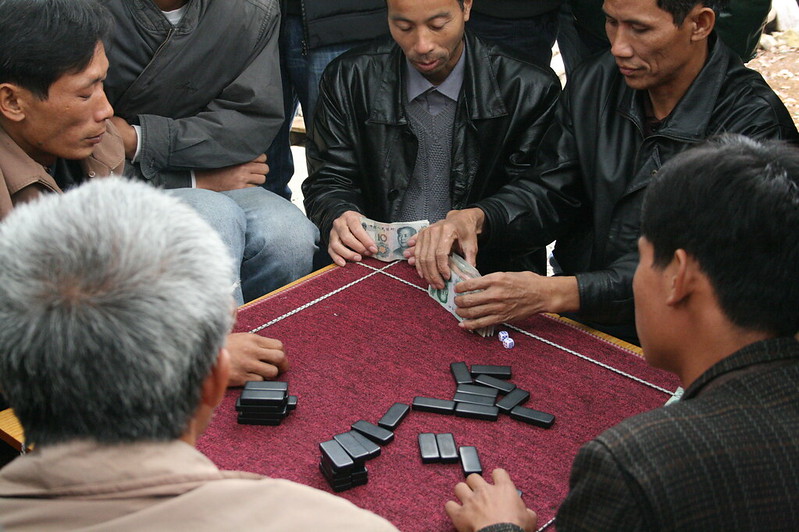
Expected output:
(667, 83)
(363, 150)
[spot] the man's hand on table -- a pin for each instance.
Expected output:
(348, 239)
(429, 250)
(254, 358)
(510, 296)
(484, 504)
(234, 177)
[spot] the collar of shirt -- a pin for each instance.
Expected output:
(417, 84)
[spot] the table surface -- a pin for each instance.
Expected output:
(363, 337)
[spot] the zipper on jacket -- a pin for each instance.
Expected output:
(161, 46)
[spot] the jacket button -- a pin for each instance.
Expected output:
(653, 173)
(392, 194)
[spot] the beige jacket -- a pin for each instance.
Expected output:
(18, 170)
(161, 486)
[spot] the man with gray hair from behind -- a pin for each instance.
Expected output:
(115, 301)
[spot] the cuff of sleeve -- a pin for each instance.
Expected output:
(502, 527)
(138, 144)
(155, 144)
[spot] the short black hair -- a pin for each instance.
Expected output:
(459, 1)
(679, 9)
(733, 204)
(46, 39)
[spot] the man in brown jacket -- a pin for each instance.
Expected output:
(55, 130)
(137, 288)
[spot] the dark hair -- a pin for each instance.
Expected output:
(459, 1)
(679, 9)
(733, 204)
(46, 39)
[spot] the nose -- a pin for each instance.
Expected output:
(424, 44)
(619, 43)
(104, 109)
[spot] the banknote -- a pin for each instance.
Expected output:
(391, 239)
(460, 270)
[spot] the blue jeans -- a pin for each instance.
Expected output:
(271, 241)
(301, 75)
(533, 36)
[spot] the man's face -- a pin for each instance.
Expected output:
(71, 121)
(430, 33)
(650, 297)
(650, 51)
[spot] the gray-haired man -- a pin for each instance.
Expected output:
(119, 276)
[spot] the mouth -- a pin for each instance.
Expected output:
(426, 66)
(96, 138)
(627, 71)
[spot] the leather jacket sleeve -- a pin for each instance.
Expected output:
(333, 185)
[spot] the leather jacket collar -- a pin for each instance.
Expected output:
(690, 118)
(480, 94)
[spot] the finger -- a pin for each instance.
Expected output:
(349, 240)
(257, 179)
(501, 476)
(476, 481)
(260, 159)
(265, 370)
(453, 509)
(484, 321)
(276, 358)
(341, 254)
(359, 233)
(463, 491)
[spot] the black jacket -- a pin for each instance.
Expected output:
(362, 151)
(594, 165)
(328, 22)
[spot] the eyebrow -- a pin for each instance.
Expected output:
(627, 21)
(442, 14)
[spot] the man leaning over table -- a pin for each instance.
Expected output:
(667, 83)
(411, 126)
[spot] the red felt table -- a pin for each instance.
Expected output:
(365, 336)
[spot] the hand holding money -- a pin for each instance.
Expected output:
(391, 239)
(460, 270)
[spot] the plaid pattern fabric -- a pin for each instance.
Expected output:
(725, 457)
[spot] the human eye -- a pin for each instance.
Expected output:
(637, 28)
(610, 21)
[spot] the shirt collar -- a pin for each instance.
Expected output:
(417, 84)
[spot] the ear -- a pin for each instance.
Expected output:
(215, 383)
(467, 9)
(11, 104)
(682, 274)
(702, 20)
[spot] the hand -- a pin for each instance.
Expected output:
(348, 239)
(513, 296)
(430, 248)
(129, 136)
(234, 177)
(484, 504)
(254, 358)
